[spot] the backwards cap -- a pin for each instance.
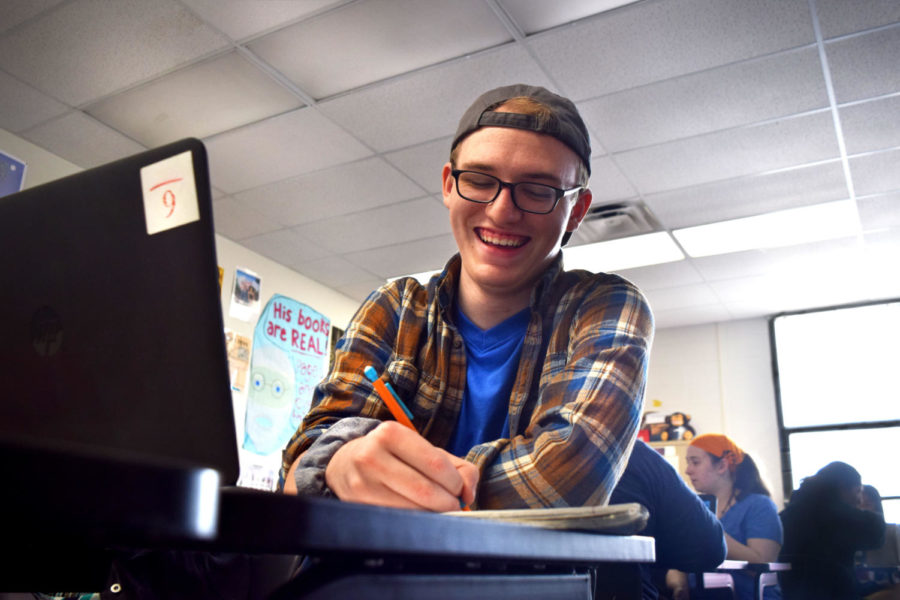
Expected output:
(720, 446)
(565, 124)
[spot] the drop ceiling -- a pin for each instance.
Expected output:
(327, 123)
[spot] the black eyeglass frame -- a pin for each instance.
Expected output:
(560, 193)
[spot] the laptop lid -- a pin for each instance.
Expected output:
(111, 321)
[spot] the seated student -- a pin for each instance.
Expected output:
(688, 536)
(716, 465)
(823, 528)
(880, 585)
(525, 381)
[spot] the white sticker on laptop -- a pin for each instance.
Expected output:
(170, 194)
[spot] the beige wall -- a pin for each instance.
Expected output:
(721, 375)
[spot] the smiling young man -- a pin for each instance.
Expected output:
(525, 381)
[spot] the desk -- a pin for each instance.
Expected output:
(394, 553)
(57, 541)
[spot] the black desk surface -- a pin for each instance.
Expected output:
(83, 506)
(252, 521)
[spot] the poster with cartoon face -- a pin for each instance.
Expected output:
(290, 355)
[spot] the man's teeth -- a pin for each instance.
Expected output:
(500, 241)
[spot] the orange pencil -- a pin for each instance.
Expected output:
(394, 404)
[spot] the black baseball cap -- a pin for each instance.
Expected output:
(565, 124)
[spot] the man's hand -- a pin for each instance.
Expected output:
(395, 466)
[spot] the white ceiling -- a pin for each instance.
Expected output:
(327, 122)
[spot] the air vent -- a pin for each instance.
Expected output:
(613, 221)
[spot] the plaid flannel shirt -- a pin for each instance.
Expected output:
(576, 402)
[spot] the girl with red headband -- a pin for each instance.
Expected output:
(753, 532)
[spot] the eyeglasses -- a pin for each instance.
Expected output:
(482, 188)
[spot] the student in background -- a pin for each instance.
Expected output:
(823, 529)
(753, 533)
(888, 555)
(879, 568)
(525, 381)
(688, 536)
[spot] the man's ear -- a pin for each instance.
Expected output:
(446, 183)
(579, 209)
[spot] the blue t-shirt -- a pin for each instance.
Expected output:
(492, 359)
(756, 516)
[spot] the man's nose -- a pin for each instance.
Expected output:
(503, 206)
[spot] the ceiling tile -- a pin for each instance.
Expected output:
(237, 221)
(655, 40)
(198, 101)
(16, 12)
(866, 65)
(876, 173)
(692, 315)
(879, 212)
(384, 226)
(406, 258)
(333, 271)
(871, 125)
(22, 106)
(738, 94)
(653, 277)
(802, 289)
(537, 15)
(731, 153)
(748, 196)
(781, 263)
(124, 43)
(285, 246)
(423, 163)
(839, 17)
(284, 146)
(342, 190)
(239, 20)
(427, 104)
(359, 290)
(683, 296)
(608, 183)
(82, 140)
(382, 35)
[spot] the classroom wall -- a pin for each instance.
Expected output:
(40, 166)
(274, 279)
(721, 375)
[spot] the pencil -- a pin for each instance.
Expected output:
(390, 399)
(395, 405)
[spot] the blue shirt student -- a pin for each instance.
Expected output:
(492, 359)
(756, 516)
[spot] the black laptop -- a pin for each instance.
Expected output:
(114, 384)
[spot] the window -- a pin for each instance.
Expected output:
(837, 374)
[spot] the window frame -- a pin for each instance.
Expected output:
(784, 433)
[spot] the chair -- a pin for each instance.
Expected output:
(764, 575)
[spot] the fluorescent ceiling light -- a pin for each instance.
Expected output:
(773, 230)
(623, 253)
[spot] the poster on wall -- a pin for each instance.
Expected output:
(12, 174)
(290, 355)
(245, 295)
(238, 358)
